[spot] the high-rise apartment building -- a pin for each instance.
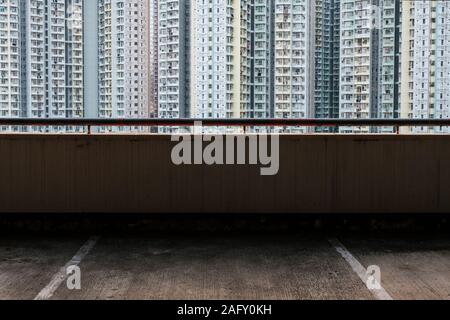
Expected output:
(263, 46)
(173, 58)
(91, 51)
(399, 67)
(220, 61)
(41, 58)
(406, 102)
(388, 107)
(359, 60)
(327, 26)
(10, 56)
(247, 59)
(294, 58)
(370, 35)
(123, 59)
(431, 79)
(52, 55)
(153, 56)
(246, 36)
(304, 35)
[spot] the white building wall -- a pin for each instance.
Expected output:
(34, 73)
(153, 57)
(431, 62)
(359, 53)
(90, 58)
(10, 47)
(294, 62)
(46, 40)
(56, 70)
(173, 30)
(74, 59)
(263, 56)
(218, 33)
(123, 58)
(407, 62)
(388, 69)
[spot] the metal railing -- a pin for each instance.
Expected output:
(243, 123)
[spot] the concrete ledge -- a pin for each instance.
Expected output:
(135, 174)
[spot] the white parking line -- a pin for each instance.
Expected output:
(61, 275)
(380, 293)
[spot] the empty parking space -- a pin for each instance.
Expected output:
(270, 266)
(412, 267)
(244, 267)
(28, 263)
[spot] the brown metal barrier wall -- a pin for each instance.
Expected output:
(134, 173)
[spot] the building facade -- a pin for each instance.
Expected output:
(431, 79)
(173, 58)
(327, 26)
(217, 59)
(388, 107)
(153, 58)
(359, 60)
(246, 56)
(406, 102)
(123, 58)
(294, 58)
(220, 60)
(41, 62)
(10, 59)
(90, 58)
(370, 63)
(263, 46)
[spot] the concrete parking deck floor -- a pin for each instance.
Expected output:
(226, 267)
